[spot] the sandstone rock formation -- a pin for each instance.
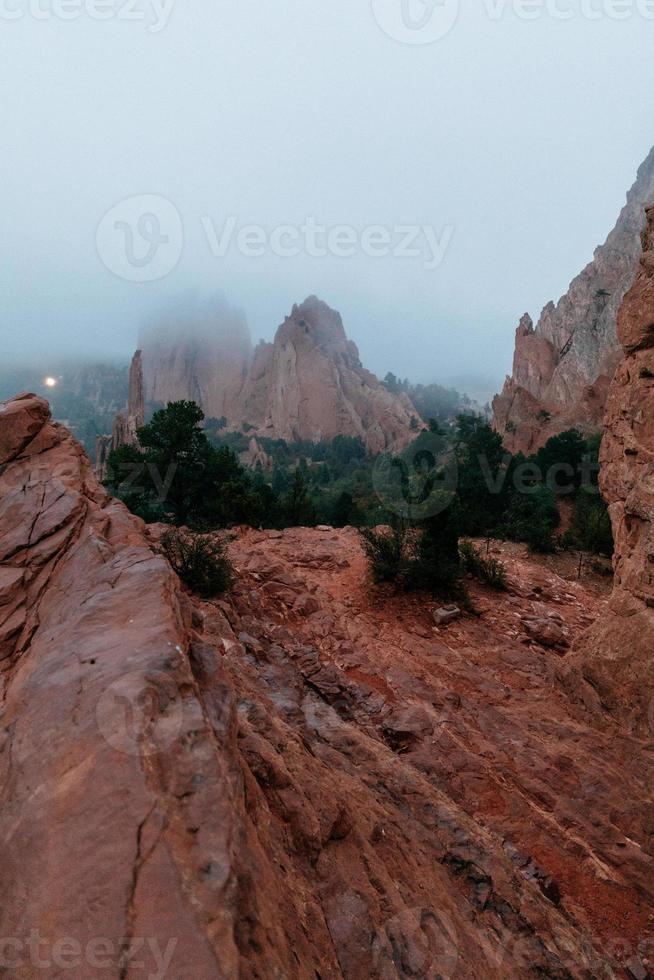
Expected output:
(562, 368)
(126, 425)
(298, 780)
(308, 384)
(198, 353)
(256, 456)
(617, 657)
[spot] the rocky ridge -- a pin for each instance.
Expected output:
(562, 368)
(308, 383)
(304, 778)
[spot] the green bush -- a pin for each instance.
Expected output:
(489, 570)
(200, 560)
(591, 525)
(387, 551)
(532, 517)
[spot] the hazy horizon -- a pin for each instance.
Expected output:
(506, 165)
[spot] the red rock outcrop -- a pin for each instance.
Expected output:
(617, 657)
(303, 779)
(308, 384)
(315, 387)
(563, 367)
(198, 354)
(126, 424)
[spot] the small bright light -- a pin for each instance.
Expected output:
(50, 382)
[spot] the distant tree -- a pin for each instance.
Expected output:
(184, 479)
(345, 510)
(129, 479)
(177, 449)
(297, 507)
(215, 425)
(560, 461)
(532, 517)
(345, 451)
(392, 383)
(590, 529)
(483, 475)
(436, 565)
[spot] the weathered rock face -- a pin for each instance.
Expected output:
(296, 780)
(308, 384)
(136, 395)
(126, 425)
(617, 656)
(201, 355)
(562, 368)
(255, 456)
(314, 386)
(101, 384)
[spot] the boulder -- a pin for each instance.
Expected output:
(545, 630)
(446, 615)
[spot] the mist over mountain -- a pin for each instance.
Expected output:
(504, 174)
(326, 595)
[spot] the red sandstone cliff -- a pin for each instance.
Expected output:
(308, 384)
(617, 657)
(562, 368)
(201, 354)
(297, 780)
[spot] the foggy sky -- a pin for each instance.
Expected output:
(520, 136)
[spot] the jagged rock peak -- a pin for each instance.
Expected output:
(308, 383)
(562, 370)
(322, 326)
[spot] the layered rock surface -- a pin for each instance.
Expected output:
(304, 779)
(562, 368)
(308, 384)
(617, 657)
